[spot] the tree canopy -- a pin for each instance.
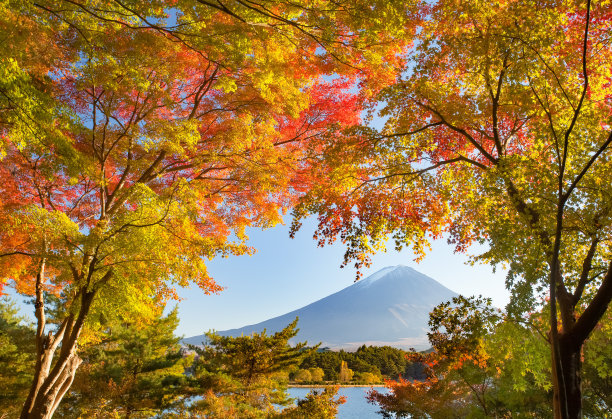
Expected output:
(139, 140)
(497, 131)
(489, 363)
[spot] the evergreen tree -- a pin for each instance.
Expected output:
(136, 370)
(246, 376)
(16, 358)
(316, 405)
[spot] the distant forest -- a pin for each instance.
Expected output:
(367, 365)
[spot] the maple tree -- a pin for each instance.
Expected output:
(139, 139)
(476, 369)
(487, 363)
(496, 130)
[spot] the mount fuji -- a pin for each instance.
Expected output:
(390, 307)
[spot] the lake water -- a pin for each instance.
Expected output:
(356, 406)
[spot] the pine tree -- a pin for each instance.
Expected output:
(136, 370)
(316, 405)
(246, 376)
(16, 358)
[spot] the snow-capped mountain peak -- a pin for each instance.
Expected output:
(390, 307)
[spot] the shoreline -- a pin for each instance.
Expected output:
(332, 385)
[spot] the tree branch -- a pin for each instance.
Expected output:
(594, 311)
(582, 96)
(461, 131)
(586, 269)
(586, 168)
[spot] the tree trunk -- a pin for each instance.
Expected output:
(47, 392)
(569, 378)
(567, 365)
(52, 381)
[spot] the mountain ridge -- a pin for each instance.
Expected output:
(390, 307)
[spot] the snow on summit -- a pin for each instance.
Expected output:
(390, 307)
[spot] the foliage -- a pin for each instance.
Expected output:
(487, 363)
(246, 376)
(367, 362)
(140, 139)
(597, 372)
(16, 357)
(302, 376)
(135, 370)
(316, 405)
(477, 369)
(497, 131)
(345, 374)
(459, 326)
(366, 378)
(416, 399)
(316, 374)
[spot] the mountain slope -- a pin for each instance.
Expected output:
(390, 307)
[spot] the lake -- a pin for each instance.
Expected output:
(356, 406)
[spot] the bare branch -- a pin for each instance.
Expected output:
(585, 87)
(586, 269)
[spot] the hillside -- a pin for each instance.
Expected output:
(390, 307)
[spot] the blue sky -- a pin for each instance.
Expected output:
(286, 274)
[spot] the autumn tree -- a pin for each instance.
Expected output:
(483, 364)
(497, 131)
(140, 139)
(436, 396)
(345, 374)
(302, 376)
(487, 363)
(316, 374)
